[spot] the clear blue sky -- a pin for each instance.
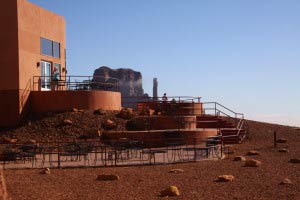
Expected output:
(243, 54)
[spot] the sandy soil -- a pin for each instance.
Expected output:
(197, 181)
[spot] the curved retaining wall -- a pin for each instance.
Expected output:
(177, 108)
(159, 138)
(48, 101)
(164, 122)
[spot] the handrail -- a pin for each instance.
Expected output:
(71, 82)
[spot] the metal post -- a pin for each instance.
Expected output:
(58, 155)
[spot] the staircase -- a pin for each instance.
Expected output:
(231, 125)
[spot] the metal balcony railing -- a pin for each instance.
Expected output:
(74, 83)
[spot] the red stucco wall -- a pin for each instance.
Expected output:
(47, 101)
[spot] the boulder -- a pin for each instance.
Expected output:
(225, 178)
(286, 182)
(75, 110)
(10, 141)
(45, 171)
(109, 124)
(283, 150)
(176, 171)
(170, 191)
(147, 112)
(67, 122)
(30, 142)
(253, 153)
(295, 160)
(239, 158)
(281, 140)
(99, 112)
(252, 163)
(126, 113)
(108, 177)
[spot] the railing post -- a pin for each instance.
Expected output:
(58, 155)
(215, 109)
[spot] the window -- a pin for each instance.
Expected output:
(46, 47)
(50, 48)
(56, 50)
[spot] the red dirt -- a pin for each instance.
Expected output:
(196, 182)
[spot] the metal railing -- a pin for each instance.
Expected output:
(75, 83)
(217, 109)
(105, 153)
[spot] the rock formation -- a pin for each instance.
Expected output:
(131, 83)
(130, 80)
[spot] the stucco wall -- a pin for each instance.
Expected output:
(35, 22)
(47, 101)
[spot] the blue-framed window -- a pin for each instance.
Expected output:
(50, 48)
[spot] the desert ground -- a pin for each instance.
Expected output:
(196, 182)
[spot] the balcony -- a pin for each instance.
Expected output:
(82, 92)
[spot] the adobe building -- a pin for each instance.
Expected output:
(33, 51)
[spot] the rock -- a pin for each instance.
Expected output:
(281, 140)
(176, 171)
(239, 158)
(147, 112)
(45, 171)
(10, 141)
(93, 133)
(99, 112)
(295, 160)
(81, 111)
(225, 178)
(109, 124)
(130, 81)
(286, 182)
(75, 110)
(67, 122)
(283, 150)
(126, 113)
(30, 142)
(253, 153)
(252, 163)
(108, 177)
(170, 191)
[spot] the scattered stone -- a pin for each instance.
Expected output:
(171, 191)
(108, 177)
(286, 182)
(295, 160)
(253, 153)
(75, 110)
(225, 178)
(147, 112)
(30, 142)
(281, 140)
(99, 112)
(176, 171)
(283, 150)
(252, 163)
(45, 171)
(239, 158)
(126, 113)
(10, 141)
(109, 124)
(81, 110)
(67, 122)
